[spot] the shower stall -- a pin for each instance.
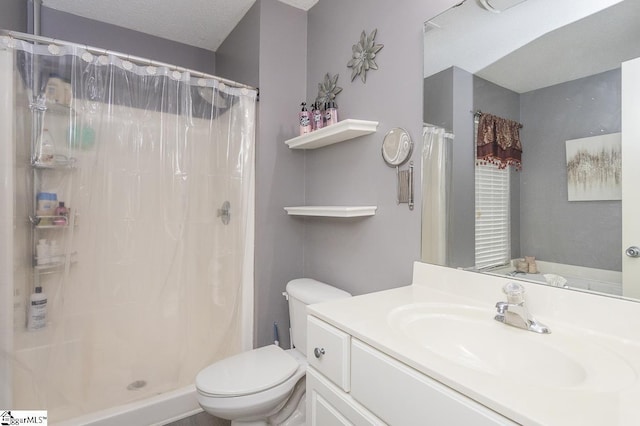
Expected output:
(127, 190)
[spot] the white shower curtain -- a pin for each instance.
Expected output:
(436, 182)
(144, 288)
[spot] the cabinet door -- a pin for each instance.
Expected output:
(328, 351)
(403, 396)
(327, 405)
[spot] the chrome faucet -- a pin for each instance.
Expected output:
(514, 311)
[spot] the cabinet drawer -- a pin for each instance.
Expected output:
(329, 351)
(400, 395)
(327, 405)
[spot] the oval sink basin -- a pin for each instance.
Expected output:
(470, 337)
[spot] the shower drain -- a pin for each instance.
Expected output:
(138, 384)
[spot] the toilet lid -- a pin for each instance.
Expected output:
(248, 372)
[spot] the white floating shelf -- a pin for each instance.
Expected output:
(339, 132)
(332, 211)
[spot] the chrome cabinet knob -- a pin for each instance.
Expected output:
(318, 352)
(633, 251)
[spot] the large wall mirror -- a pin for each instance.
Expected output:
(554, 68)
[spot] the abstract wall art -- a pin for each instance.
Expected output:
(594, 167)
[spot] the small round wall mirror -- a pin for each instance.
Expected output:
(397, 147)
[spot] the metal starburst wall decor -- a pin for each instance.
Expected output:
(328, 89)
(364, 55)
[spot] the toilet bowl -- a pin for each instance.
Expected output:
(268, 382)
(250, 387)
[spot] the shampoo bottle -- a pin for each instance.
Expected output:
(37, 315)
(305, 120)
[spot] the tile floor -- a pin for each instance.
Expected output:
(201, 419)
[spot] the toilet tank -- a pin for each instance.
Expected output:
(303, 292)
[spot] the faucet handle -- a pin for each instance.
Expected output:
(514, 292)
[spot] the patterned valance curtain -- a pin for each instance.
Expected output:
(498, 141)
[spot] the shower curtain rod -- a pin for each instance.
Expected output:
(132, 58)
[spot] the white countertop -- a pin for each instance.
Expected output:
(530, 403)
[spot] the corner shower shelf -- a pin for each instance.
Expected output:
(46, 222)
(59, 163)
(339, 132)
(55, 266)
(332, 211)
(57, 108)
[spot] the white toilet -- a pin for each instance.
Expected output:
(266, 385)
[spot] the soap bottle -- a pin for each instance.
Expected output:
(46, 149)
(316, 114)
(330, 113)
(37, 313)
(42, 252)
(62, 214)
(305, 120)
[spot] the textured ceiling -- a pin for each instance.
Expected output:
(201, 23)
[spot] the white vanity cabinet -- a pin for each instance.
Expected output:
(329, 378)
(350, 382)
(328, 405)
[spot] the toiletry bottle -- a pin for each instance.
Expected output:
(330, 113)
(46, 203)
(55, 255)
(62, 214)
(318, 119)
(43, 256)
(46, 149)
(305, 120)
(37, 314)
(46, 207)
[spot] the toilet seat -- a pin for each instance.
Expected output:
(246, 373)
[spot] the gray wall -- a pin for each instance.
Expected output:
(13, 15)
(493, 99)
(463, 215)
(238, 57)
(438, 99)
(586, 233)
(544, 223)
(376, 253)
(268, 49)
(280, 34)
(448, 100)
(68, 27)
(280, 171)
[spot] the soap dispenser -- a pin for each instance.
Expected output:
(305, 120)
(316, 114)
(330, 113)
